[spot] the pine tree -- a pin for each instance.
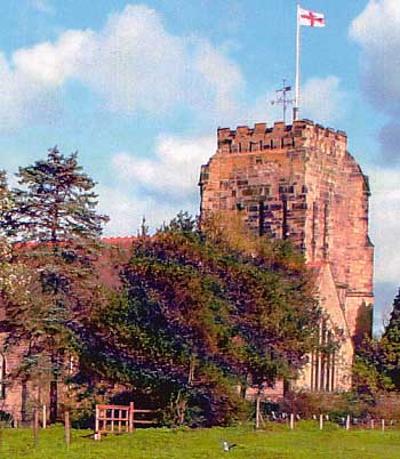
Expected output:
(56, 202)
(392, 330)
(54, 222)
(390, 344)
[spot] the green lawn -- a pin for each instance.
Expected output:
(305, 442)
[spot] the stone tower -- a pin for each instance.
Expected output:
(300, 182)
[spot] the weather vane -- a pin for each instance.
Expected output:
(282, 98)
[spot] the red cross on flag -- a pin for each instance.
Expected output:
(311, 18)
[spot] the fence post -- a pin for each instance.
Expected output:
(291, 421)
(258, 411)
(67, 427)
(44, 417)
(321, 421)
(372, 423)
(131, 416)
(348, 422)
(383, 425)
(97, 434)
(35, 425)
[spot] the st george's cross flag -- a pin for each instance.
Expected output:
(310, 18)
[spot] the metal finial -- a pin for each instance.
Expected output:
(282, 98)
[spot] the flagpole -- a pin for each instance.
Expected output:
(296, 107)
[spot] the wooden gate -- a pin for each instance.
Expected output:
(113, 419)
(116, 419)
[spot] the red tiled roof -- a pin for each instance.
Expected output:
(124, 241)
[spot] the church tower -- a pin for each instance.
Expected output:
(299, 182)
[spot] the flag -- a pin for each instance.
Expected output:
(310, 18)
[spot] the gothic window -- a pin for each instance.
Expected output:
(323, 362)
(2, 376)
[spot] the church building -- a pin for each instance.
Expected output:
(299, 182)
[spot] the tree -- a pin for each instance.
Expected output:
(14, 278)
(55, 227)
(370, 375)
(377, 365)
(392, 330)
(391, 344)
(56, 202)
(198, 316)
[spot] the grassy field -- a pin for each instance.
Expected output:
(305, 442)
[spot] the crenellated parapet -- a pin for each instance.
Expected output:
(301, 133)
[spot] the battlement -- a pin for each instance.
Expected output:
(280, 136)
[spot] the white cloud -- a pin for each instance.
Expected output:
(174, 170)
(126, 210)
(133, 63)
(155, 188)
(223, 77)
(322, 99)
(377, 31)
(385, 223)
(50, 64)
(21, 97)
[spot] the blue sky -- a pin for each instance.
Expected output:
(140, 88)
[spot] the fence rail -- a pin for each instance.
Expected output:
(347, 422)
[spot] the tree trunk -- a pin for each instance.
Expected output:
(53, 401)
(24, 400)
(53, 408)
(192, 366)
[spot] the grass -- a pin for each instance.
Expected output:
(306, 441)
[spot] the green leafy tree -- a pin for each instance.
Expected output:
(14, 277)
(56, 229)
(370, 375)
(377, 365)
(197, 317)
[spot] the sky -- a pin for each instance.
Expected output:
(139, 89)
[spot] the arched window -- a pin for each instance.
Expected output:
(2, 376)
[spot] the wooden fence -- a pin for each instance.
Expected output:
(117, 419)
(346, 422)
